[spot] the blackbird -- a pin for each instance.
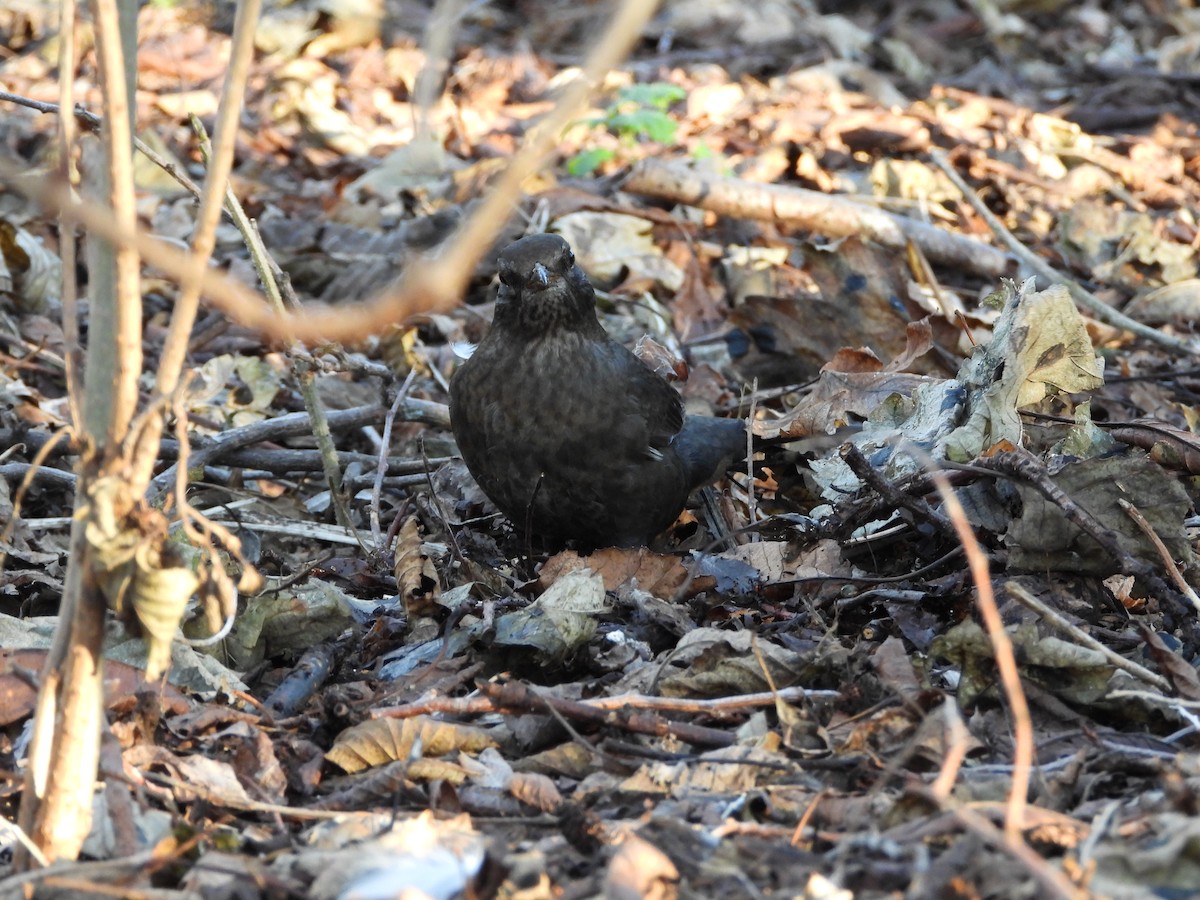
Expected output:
(566, 431)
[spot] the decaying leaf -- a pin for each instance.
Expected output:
(236, 390)
(853, 382)
(719, 662)
(610, 244)
(1042, 537)
(560, 621)
(135, 569)
(287, 617)
(1073, 673)
(817, 632)
(1039, 348)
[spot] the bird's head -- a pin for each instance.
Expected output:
(541, 288)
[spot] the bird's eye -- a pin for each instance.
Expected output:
(568, 259)
(506, 277)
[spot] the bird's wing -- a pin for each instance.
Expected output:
(651, 402)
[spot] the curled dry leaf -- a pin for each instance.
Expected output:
(380, 741)
(1168, 446)
(1181, 673)
(416, 576)
(1069, 672)
(535, 790)
(1039, 348)
(639, 870)
(135, 571)
(436, 770)
(159, 597)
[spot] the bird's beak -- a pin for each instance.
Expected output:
(541, 276)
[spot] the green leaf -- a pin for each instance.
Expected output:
(650, 123)
(588, 161)
(656, 94)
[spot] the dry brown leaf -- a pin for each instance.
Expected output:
(665, 363)
(697, 308)
(896, 669)
(436, 770)
(379, 741)
(639, 870)
(416, 576)
(656, 573)
(1181, 673)
(535, 790)
(29, 273)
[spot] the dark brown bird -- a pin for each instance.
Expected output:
(568, 432)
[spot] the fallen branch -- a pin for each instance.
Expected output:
(833, 216)
(515, 696)
(294, 424)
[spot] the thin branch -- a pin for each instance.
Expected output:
(835, 216)
(1163, 553)
(212, 200)
(91, 121)
(113, 370)
(382, 463)
(1006, 662)
(72, 353)
(293, 424)
(302, 364)
(1026, 599)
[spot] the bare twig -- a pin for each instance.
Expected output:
(956, 751)
(66, 241)
(1163, 553)
(1053, 883)
(1026, 599)
(302, 364)
(42, 454)
(715, 706)
(892, 495)
(56, 807)
(114, 356)
(293, 424)
(751, 496)
(1006, 662)
(382, 464)
(518, 696)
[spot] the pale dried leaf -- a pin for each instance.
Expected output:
(379, 741)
